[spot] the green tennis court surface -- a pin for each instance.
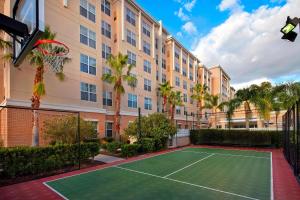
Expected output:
(191, 173)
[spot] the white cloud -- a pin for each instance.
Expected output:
(249, 45)
(232, 5)
(190, 28)
(249, 83)
(181, 15)
(189, 5)
(179, 34)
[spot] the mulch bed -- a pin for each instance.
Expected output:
(83, 165)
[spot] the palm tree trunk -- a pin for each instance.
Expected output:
(215, 111)
(172, 113)
(117, 116)
(165, 104)
(35, 104)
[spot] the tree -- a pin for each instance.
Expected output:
(199, 94)
(245, 96)
(118, 64)
(156, 126)
(36, 58)
(212, 102)
(175, 99)
(230, 107)
(65, 130)
(262, 99)
(165, 91)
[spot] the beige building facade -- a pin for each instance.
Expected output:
(93, 30)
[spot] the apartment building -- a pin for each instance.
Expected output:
(93, 30)
(220, 83)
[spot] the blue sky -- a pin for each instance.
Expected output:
(222, 32)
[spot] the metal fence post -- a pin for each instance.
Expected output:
(79, 146)
(139, 124)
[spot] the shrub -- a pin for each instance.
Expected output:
(107, 140)
(21, 161)
(65, 130)
(156, 126)
(129, 150)
(236, 137)
(112, 147)
(148, 144)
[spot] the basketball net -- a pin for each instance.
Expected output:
(54, 53)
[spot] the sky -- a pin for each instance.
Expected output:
(242, 36)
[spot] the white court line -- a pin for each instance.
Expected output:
(186, 183)
(112, 165)
(189, 165)
(225, 154)
(55, 191)
(272, 191)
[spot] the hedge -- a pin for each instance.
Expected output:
(22, 161)
(236, 137)
(129, 150)
(113, 147)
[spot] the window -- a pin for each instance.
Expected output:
(131, 38)
(156, 43)
(108, 129)
(185, 98)
(163, 49)
(177, 81)
(146, 29)
(191, 88)
(185, 113)
(156, 59)
(87, 37)
(148, 103)
(88, 92)
(107, 98)
(87, 64)
(184, 71)
(130, 16)
(147, 66)
(106, 71)
(131, 58)
(146, 47)
(132, 101)
(177, 68)
(164, 78)
(184, 60)
(133, 84)
(191, 76)
(191, 100)
(106, 29)
(191, 65)
(185, 85)
(87, 10)
(105, 7)
(178, 110)
(147, 85)
(163, 63)
(176, 54)
(157, 75)
(106, 51)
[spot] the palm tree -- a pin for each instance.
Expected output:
(199, 94)
(262, 99)
(36, 58)
(212, 102)
(245, 96)
(165, 91)
(175, 99)
(230, 107)
(118, 64)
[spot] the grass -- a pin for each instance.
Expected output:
(192, 173)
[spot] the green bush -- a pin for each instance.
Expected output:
(148, 144)
(112, 147)
(64, 130)
(21, 161)
(236, 137)
(129, 150)
(155, 126)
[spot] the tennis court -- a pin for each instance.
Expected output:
(190, 173)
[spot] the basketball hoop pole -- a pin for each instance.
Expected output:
(13, 27)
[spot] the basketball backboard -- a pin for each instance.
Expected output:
(31, 13)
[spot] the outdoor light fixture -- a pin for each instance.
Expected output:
(287, 30)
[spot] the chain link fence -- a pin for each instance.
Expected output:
(291, 138)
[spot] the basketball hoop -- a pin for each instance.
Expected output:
(54, 53)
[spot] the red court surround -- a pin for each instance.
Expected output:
(285, 185)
